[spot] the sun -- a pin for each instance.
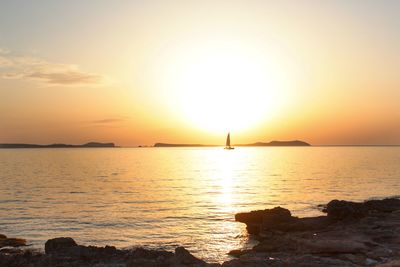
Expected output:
(221, 88)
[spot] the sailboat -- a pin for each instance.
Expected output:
(228, 142)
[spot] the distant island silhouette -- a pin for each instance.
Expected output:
(180, 145)
(90, 145)
(272, 143)
(278, 143)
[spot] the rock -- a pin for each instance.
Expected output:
(11, 242)
(354, 258)
(237, 252)
(260, 221)
(340, 209)
(272, 219)
(253, 220)
(276, 216)
(257, 216)
(11, 250)
(384, 205)
(150, 254)
(390, 263)
(370, 262)
(183, 256)
(332, 246)
(316, 261)
(276, 243)
(59, 243)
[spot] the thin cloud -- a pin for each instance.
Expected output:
(40, 70)
(66, 77)
(107, 121)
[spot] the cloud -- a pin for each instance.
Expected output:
(68, 77)
(4, 51)
(106, 121)
(43, 71)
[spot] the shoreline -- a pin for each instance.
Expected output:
(350, 234)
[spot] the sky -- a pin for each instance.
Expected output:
(140, 72)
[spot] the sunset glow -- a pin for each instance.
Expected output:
(222, 89)
(199, 133)
(185, 72)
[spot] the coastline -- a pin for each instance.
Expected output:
(351, 234)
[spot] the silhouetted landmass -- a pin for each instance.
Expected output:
(272, 143)
(180, 145)
(278, 143)
(90, 145)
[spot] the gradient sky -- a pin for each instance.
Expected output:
(326, 72)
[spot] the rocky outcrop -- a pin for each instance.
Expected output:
(279, 219)
(340, 209)
(352, 234)
(11, 242)
(59, 244)
(64, 251)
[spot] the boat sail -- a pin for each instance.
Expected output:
(228, 142)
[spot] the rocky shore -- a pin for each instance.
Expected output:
(351, 234)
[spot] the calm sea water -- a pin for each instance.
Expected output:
(164, 197)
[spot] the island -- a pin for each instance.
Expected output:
(87, 145)
(181, 145)
(278, 143)
(272, 143)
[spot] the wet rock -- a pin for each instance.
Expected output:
(59, 243)
(238, 252)
(11, 242)
(150, 254)
(183, 256)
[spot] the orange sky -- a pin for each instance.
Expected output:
(136, 72)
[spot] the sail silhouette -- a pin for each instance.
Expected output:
(228, 142)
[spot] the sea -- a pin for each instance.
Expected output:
(167, 197)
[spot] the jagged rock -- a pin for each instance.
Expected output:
(183, 256)
(150, 254)
(59, 243)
